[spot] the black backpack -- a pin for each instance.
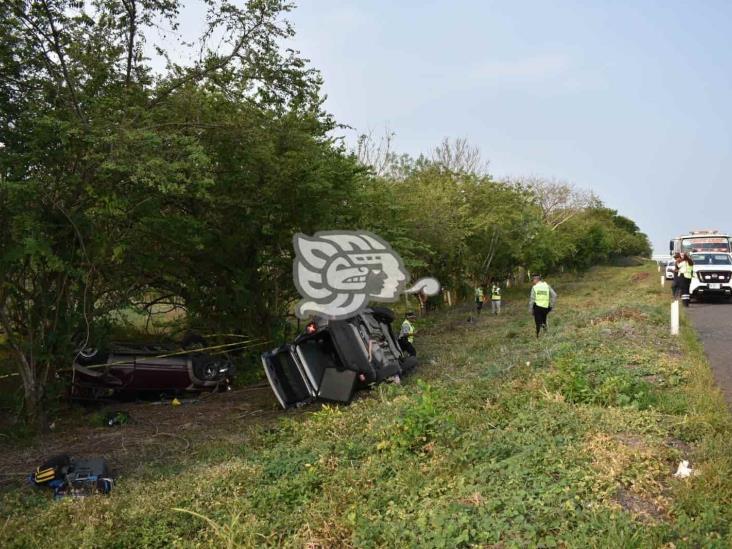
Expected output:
(53, 469)
(78, 478)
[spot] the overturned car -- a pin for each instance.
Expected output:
(331, 360)
(126, 369)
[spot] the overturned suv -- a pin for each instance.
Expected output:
(712, 275)
(331, 360)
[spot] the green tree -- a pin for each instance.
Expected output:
(111, 178)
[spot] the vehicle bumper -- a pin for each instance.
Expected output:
(700, 289)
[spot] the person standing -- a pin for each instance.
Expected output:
(406, 334)
(479, 298)
(495, 298)
(541, 302)
(681, 268)
(688, 273)
(675, 290)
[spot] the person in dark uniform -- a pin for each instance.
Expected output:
(675, 283)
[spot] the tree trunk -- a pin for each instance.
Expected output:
(35, 412)
(33, 389)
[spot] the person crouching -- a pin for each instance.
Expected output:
(406, 334)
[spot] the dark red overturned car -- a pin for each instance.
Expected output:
(126, 369)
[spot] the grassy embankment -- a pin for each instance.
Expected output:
(498, 439)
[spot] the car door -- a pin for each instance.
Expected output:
(287, 378)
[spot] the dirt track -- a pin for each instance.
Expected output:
(713, 321)
(156, 430)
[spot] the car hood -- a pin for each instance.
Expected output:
(703, 268)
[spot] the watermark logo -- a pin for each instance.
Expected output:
(337, 273)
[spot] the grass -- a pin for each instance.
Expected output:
(498, 439)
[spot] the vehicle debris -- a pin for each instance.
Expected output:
(119, 417)
(67, 476)
(684, 470)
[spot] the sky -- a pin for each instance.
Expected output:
(631, 100)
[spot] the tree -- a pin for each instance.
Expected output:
(109, 179)
(558, 201)
(459, 156)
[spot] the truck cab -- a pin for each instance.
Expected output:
(712, 275)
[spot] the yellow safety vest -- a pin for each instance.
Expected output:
(479, 293)
(689, 273)
(409, 330)
(542, 295)
(496, 293)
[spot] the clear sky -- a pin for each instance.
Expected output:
(631, 99)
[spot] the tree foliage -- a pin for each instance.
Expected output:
(122, 185)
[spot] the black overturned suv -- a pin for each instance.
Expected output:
(332, 360)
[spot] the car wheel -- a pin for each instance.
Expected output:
(88, 356)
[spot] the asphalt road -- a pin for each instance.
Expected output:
(713, 321)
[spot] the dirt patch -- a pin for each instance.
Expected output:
(643, 508)
(640, 277)
(632, 441)
(653, 379)
(155, 432)
(474, 500)
(621, 313)
(679, 445)
(636, 469)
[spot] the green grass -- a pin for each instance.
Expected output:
(498, 439)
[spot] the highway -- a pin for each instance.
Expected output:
(713, 322)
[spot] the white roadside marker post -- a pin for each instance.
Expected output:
(675, 317)
(663, 281)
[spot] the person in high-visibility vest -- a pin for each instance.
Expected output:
(686, 273)
(541, 302)
(406, 334)
(479, 298)
(495, 299)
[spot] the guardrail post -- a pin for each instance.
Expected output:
(675, 317)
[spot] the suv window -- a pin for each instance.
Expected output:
(712, 259)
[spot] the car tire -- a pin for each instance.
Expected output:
(90, 356)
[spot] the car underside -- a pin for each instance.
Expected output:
(334, 359)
